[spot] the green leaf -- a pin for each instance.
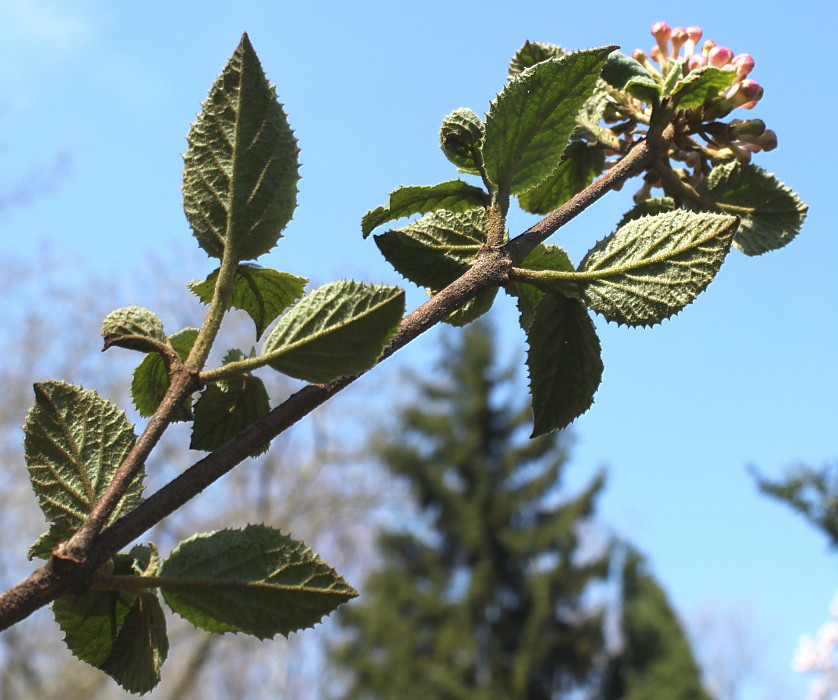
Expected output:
(701, 85)
(652, 267)
(619, 69)
(339, 329)
(151, 378)
(460, 137)
(74, 442)
(132, 327)
(255, 580)
(240, 169)
(541, 258)
(564, 362)
(530, 121)
(260, 292)
(533, 52)
(648, 207)
(473, 308)
(122, 634)
(772, 214)
(225, 409)
(437, 249)
(579, 166)
(43, 546)
(644, 89)
(454, 195)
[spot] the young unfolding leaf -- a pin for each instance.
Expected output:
(260, 292)
(701, 85)
(454, 195)
(533, 52)
(43, 546)
(74, 441)
(460, 137)
(530, 121)
(618, 69)
(580, 164)
(226, 408)
(339, 329)
(151, 379)
(772, 214)
(122, 634)
(652, 267)
(240, 169)
(564, 362)
(132, 327)
(435, 250)
(542, 257)
(255, 580)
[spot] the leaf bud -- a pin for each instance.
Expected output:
(459, 138)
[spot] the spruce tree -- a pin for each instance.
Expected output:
(490, 602)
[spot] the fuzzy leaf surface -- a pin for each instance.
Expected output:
(74, 441)
(454, 195)
(254, 580)
(122, 634)
(225, 409)
(772, 214)
(619, 68)
(530, 121)
(654, 266)
(151, 378)
(339, 329)
(701, 85)
(564, 362)
(262, 293)
(132, 327)
(241, 168)
(579, 166)
(435, 250)
(533, 52)
(460, 137)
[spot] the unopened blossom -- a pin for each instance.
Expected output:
(744, 64)
(693, 37)
(697, 60)
(679, 38)
(719, 56)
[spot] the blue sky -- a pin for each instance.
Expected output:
(97, 99)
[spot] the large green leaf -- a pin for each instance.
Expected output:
(772, 214)
(530, 121)
(260, 292)
(533, 52)
(564, 362)
(132, 327)
(122, 634)
(460, 137)
(255, 580)
(151, 378)
(435, 250)
(454, 195)
(74, 442)
(580, 164)
(240, 169)
(226, 408)
(339, 329)
(701, 85)
(654, 266)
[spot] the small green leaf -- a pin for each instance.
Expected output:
(580, 164)
(240, 169)
(541, 258)
(437, 249)
(564, 362)
(644, 89)
(122, 634)
(460, 137)
(454, 195)
(618, 69)
(145, 559)
(260, 292)
(132, 327)
(772, 214)
(74, 442)
(530, 121)
(339, 329)
(652, 267)
(255, 580)
(43, 546)
(225, 409)
(648, 207)
(151, 378)
(701, 85)
(533, 52)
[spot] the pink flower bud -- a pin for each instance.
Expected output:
(639, 55)
(743, 94)
(679, 38)
(719, 56)
(709, 44)
(693, 37)
(751, 90)
(662, 32)
(655, 53)
(697, 60)
(768, 140)
(744, 64)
